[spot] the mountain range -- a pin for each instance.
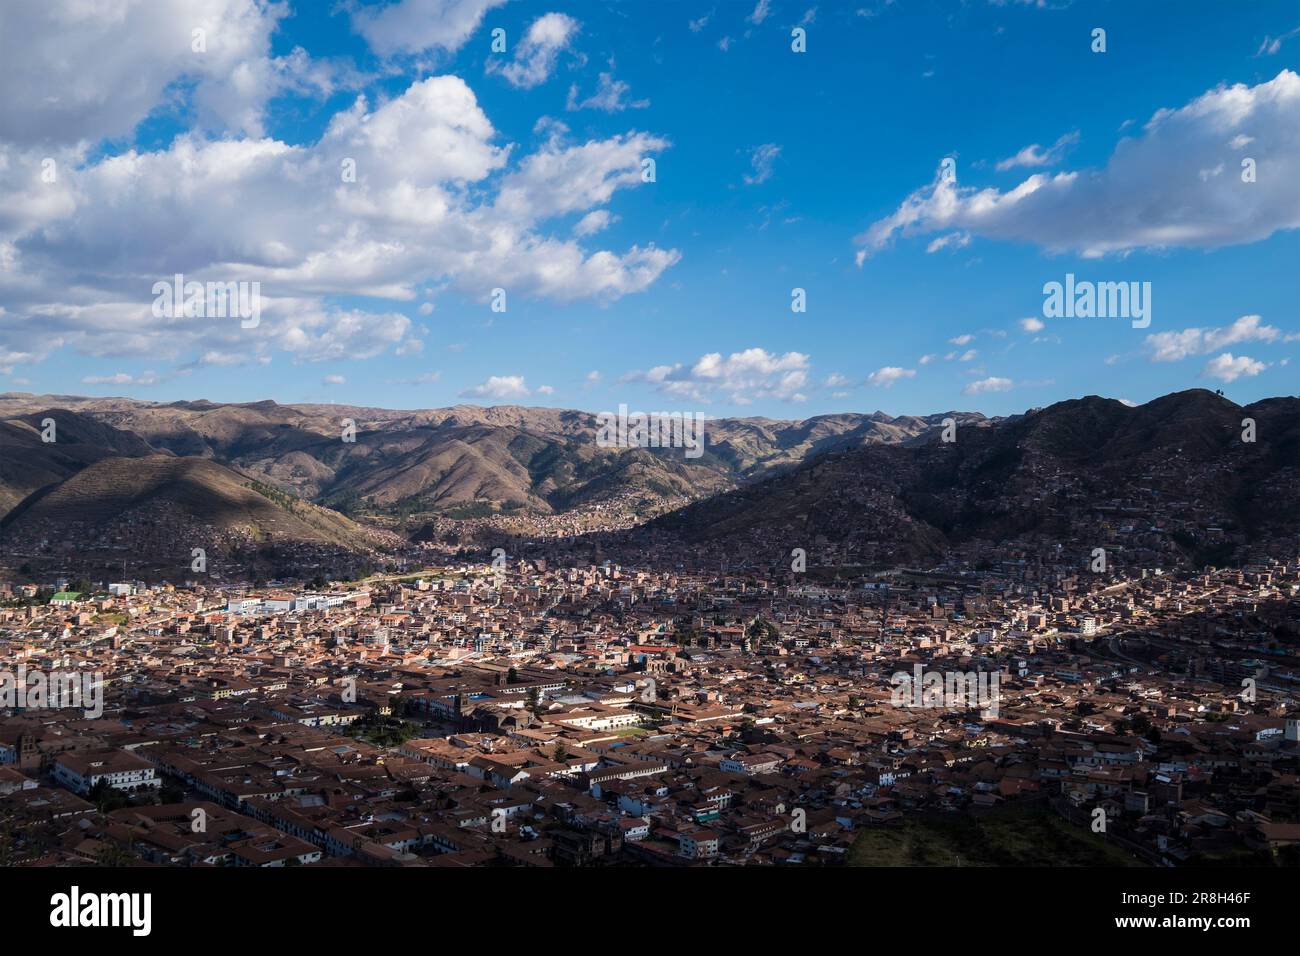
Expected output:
(1190, 477)
(262, 471)
(438, 459)
(889, 487)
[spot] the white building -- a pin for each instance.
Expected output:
(81, 772)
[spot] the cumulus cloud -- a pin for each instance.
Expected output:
(499, 386)
(1150, 194)
(741, 377)
(887, 376)
(990, 384)
(536, 54)
(413, 26)
(434, 200)
(75, 72)
(964, 339)
(1229, 368)
(1174, 346)
(560, 179)
(1032, 325)
(593, 222)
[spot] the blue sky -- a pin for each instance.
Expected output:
(775, 170)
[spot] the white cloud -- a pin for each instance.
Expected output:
(1229, 368)
(537, 53)
(760, 13)
(990, 384)
(763, 159)
(219, 359)
(545, 390)
(560, 179)
(413, 26)
(122, 378)
(1035, 155)
(426, 378)
(740, 377)
(958, 240)
(1174, 346)
(697, 25)
(499, 386)
(964, 339)
(74, 71)
(593, 222)
(333, 380)
(436, 203)
(887, 376)
(1149, 195)
(608, 97)
(1032, 324)
(926, 359)
(836, 380)
(1272, 44)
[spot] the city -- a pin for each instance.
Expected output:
(783, 444)
(525, 713)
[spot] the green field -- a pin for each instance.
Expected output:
(1003, 837)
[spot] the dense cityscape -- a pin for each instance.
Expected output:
(815, 448)
(528, 714)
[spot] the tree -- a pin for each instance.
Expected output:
(107, 797)
(114, 854)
